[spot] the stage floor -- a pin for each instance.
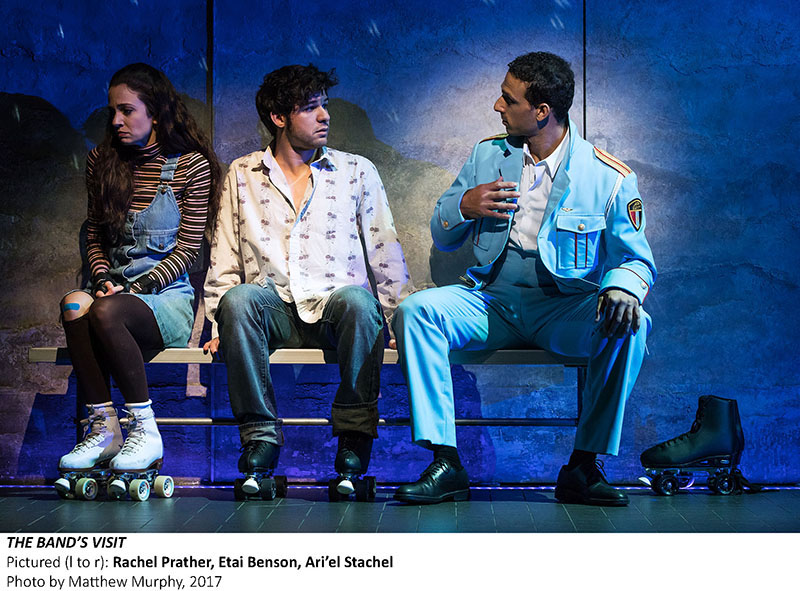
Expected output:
(306, 509)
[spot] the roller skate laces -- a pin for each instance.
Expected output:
(94, 433)
(137, 436)
(142, 447)
(100, 442)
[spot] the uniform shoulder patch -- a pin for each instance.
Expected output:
(635, 213)
(499, 136)
(613, 162)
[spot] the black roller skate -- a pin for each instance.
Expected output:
(712, 447)
(257, 463)
(352, 461)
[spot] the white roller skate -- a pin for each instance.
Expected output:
(135, 468)
(86, 466)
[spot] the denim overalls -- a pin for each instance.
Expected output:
(148, 237)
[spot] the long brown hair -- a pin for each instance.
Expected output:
(176, 132)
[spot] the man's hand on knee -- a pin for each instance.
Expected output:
(619, 312)
(211, 346)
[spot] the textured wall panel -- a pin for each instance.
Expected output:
(700, 99)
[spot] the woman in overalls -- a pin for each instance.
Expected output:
(152, 186)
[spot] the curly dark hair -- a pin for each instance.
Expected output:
(287, 87)
(550, 80)
(177, 132)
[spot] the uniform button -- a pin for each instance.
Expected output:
(161, 245)
(581, 227)
(445, 224)
(644, 285)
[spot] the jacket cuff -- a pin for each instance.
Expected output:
(628, 280)
(450, 213)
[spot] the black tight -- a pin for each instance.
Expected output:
(110, 338)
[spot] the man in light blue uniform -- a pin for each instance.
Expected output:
(557, 227)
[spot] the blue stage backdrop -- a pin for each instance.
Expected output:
(699, 98)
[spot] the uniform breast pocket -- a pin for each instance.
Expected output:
(162, 241)
(578, 238)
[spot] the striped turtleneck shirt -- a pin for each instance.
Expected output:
(191, 186)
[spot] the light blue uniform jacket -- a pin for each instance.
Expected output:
(587, 239)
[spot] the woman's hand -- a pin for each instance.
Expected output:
(103, 285)
(108, 289)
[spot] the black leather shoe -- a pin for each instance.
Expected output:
(440, 481)
(586, 484)
(258, 456)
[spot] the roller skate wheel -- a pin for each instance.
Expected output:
(116, 489)
(281, 486)
(333, 494)
(62, 488)
(139, 489)
(345, 487)
(365, 489)
(164, 486)
(267, 489)
(724, 484)
(666, 484)
(362, 491)
(238, 493)
(86, 488)
(250, 486)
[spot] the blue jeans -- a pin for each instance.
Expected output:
(254, 320)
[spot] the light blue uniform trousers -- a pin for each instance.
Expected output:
(516, 314)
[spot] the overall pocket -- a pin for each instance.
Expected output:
(577, 240)
(161, 241)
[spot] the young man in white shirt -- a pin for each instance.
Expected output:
(297, 226)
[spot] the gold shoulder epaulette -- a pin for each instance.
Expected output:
(613, 162)
(499, 136)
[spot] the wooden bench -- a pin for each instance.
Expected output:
(188, 356)
(60, 356)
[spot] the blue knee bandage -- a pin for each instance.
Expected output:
(72, 306)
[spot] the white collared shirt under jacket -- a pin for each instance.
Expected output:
(534, 192)
(261, 239)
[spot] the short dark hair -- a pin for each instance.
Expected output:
(550, 80)
(287, 87)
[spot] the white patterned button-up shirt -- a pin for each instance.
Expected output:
(260, 238)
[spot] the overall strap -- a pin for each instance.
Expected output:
(168, 168)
